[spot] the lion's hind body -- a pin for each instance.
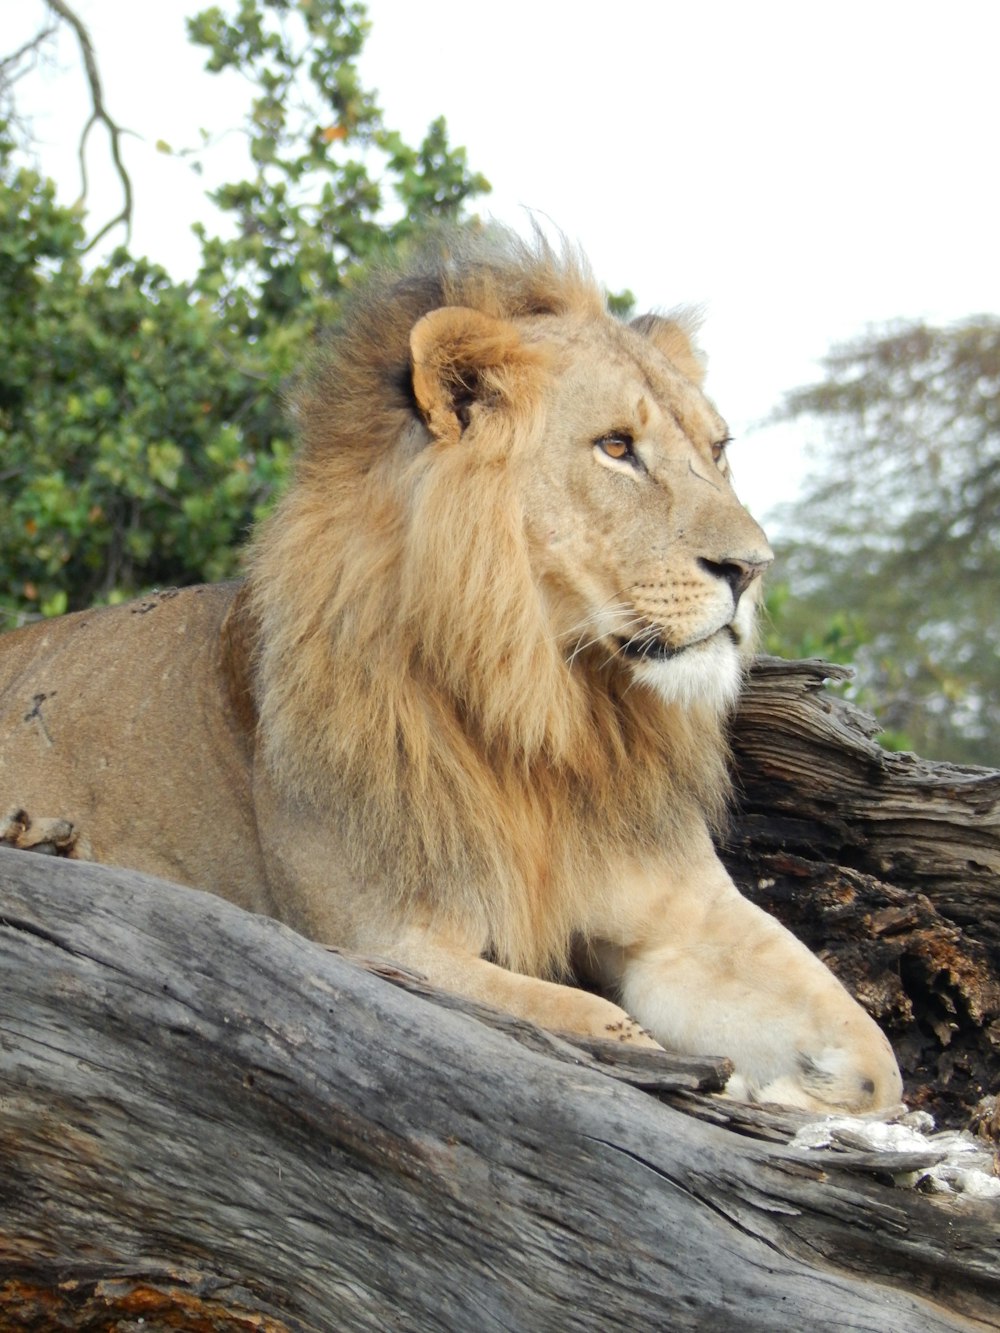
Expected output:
(122, 720)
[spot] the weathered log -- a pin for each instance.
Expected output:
(814, 777)
(208, 1122)
(886, 865)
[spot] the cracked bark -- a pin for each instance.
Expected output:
(886, 865)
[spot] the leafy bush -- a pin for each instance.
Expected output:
(142, 427)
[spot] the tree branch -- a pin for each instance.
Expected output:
(99, 114)
(8, 64)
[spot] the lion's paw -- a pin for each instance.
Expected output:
(627, 1030)
(53, 837)
(592, 1016)
(833, 1079)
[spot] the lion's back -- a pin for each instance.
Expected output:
(118, 720)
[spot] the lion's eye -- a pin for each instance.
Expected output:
(719, 450)
(617, 445)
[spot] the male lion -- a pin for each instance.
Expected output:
(466, 710)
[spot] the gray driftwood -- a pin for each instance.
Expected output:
(207, 1122)
(204, 1117)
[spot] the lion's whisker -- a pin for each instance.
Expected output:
(619, 597)
(591, 616)
(582, 647)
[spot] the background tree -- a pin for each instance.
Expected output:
(142, 428)
(900, 526)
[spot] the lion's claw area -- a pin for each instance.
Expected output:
(53, 836)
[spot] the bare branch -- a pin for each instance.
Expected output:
(99, 114)
(8, 64)
(14, 67)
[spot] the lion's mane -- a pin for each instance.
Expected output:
(407, 679)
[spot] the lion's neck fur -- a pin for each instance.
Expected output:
(434, 719)
(410, 685)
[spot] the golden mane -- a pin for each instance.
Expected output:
(408, 679)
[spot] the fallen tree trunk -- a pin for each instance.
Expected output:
(207, 1122)
(204, 1114)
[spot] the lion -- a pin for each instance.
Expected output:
(466, 711)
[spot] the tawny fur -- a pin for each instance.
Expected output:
(409, 674)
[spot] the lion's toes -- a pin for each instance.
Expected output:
(628, 1030)
(592, 1016)
(53, 836)
(831, 1080)
(854, 1080)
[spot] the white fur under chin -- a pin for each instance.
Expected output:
(706, 673)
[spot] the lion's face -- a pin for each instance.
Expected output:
(643, 550)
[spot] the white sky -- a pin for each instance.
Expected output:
(800, 170)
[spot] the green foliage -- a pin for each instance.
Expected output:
(897, 531)
(315, 209)
(130, 454)
(142, 429)
(622, 303)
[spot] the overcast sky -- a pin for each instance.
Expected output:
(799, 170)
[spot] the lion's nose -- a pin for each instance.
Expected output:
(739, 574)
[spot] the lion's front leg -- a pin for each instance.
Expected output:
(311, 890)
(452, 963)
(707, 972)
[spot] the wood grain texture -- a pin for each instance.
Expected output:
(886, 865)
(811, 757)
(209, 1119)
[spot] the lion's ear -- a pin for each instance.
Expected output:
(673, 337)
(461, 358)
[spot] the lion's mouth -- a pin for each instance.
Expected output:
(649, 647)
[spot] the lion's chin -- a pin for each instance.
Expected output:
(707, 673)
